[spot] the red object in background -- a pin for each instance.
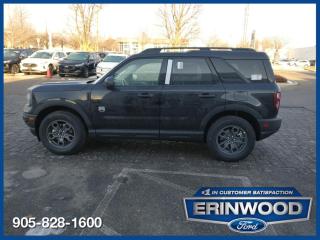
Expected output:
(49, 73)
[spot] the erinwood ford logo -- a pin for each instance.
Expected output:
(249, 209)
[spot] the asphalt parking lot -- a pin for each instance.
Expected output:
(137, 187)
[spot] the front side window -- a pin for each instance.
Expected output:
(252, 70)
(141, 72)
(191, 71)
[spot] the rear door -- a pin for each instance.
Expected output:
(191, 91)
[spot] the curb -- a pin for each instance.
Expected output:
(289, 83)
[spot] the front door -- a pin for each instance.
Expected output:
(131, 109)
(191, 92)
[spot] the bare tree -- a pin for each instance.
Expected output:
(18, 32)
(143, 39)
(180, 22)
(274, 43)
(215, 41)
(109, 44)
(84, 16)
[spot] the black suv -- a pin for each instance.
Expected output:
(227, 98)
(79, 64)
(12, 58)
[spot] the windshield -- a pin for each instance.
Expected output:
(43, 55)
(10, 53)
(78, 56)
(113, 58)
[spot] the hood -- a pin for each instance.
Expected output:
(60, 86)
(107, 64)
(35, 60)
(71, 62)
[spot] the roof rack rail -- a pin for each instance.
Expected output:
(168, 49)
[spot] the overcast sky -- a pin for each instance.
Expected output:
(295, 23)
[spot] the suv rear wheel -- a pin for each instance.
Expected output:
(62, 132)
(231, 138)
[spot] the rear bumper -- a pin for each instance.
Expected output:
(30, 120)
(268, 127)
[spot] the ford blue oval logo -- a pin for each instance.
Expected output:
(247, 225)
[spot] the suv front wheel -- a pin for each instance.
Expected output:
(62, 132)
(231, 138)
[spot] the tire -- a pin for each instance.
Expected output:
(75, 126)
(220, 132)
(61, 75)
(14, 69)
(85, 72)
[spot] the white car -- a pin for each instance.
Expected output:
(41, 61)
(302, 63)
(109, 62)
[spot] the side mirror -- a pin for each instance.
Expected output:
(109, 83)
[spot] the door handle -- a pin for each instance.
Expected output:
(207, 95)
(145, 95)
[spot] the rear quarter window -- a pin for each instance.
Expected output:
(241, 71)
(251, 70)
(227, 73)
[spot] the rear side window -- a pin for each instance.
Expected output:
(227, 73)
(252, 70)
(191, 71)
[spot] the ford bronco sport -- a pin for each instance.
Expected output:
(225, 97)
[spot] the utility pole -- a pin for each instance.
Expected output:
(253, 39)
(245, 26)
(97, 42)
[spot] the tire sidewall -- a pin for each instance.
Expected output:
(85, 72)
(14, 66)
(80, 133)
(220, 124)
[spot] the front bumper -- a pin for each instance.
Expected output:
(33, 69)
(30, 120)
(268, 127)
(70, 70)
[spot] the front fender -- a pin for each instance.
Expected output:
(63, 103)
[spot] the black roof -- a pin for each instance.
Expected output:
(225, 53)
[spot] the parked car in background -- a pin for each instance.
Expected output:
(79, 64)
(283, 62)
(41, 61)
(109, 62)
(102, 54)
(12, 58)
(302, 63)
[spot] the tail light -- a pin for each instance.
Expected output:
(276, 100)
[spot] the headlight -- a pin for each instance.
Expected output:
(79, 65)
(8, 61)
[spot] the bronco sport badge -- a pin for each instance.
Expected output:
(247, 210)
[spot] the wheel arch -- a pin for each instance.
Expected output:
(49, 108)
(251, 117)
